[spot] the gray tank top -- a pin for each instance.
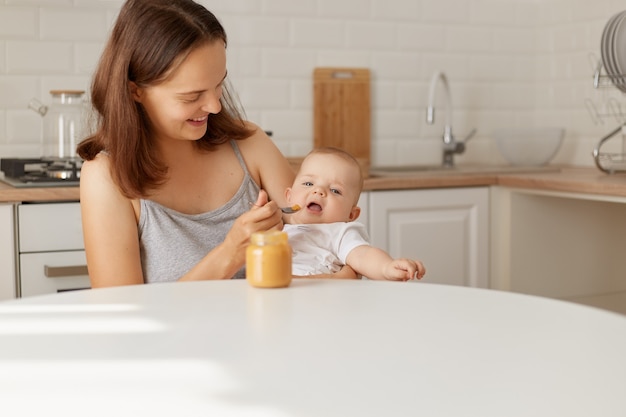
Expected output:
(172, 243)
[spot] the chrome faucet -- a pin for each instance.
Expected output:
(450, 145)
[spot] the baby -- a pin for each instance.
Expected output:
(323, 234)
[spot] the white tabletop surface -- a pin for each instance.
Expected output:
(317, 348)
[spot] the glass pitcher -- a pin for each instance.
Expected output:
(63, 125)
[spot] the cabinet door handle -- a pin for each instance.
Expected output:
(64, 271)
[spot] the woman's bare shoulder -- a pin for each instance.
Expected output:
(95, 177)
(99, 165)
(259, 144)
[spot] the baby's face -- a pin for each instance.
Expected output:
(327, 189)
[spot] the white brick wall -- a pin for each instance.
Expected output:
(509, 62)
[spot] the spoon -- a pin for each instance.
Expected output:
(290, 210)
(287, 210)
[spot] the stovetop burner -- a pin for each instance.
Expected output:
(40, 172)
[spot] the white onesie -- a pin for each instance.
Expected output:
(323, 248)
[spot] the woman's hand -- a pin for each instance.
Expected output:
(264, 215)
(227, 258)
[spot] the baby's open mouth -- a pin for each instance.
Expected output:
(314, 207)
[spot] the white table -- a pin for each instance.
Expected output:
(317, 348)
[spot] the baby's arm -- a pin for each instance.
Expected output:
(375, 263)
(344, 273)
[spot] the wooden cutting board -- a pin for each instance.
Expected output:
(341, 105)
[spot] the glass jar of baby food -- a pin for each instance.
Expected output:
(268, 260)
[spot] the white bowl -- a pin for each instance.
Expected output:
(529, 145)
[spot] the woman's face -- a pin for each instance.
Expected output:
(178, 108)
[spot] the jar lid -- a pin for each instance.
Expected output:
(269, 237)
(68, 92)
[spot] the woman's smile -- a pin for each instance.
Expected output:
(200, 121)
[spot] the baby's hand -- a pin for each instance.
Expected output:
(403, 269)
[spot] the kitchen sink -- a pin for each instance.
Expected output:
(412, 170)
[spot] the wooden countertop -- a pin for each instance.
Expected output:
(10, 194)
(586, 180)
(575, 180)
(429, 180)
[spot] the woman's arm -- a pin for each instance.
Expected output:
(267, 165)
(109, 228)
(228, 257)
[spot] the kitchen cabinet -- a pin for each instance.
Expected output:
(558, 244)
(51, 255)
(447, 229)
(7, 252)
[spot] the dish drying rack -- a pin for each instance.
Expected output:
(608, 162)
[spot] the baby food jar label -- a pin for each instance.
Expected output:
(268, 260)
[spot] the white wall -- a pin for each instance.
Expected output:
(510, 62)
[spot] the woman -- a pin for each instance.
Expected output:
(174, 180)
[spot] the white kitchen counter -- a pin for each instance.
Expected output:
(317, 348)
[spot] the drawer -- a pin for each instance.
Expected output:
(50, 227)
(7, 252)
(45, 273)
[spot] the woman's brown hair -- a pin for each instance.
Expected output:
(149, 38)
